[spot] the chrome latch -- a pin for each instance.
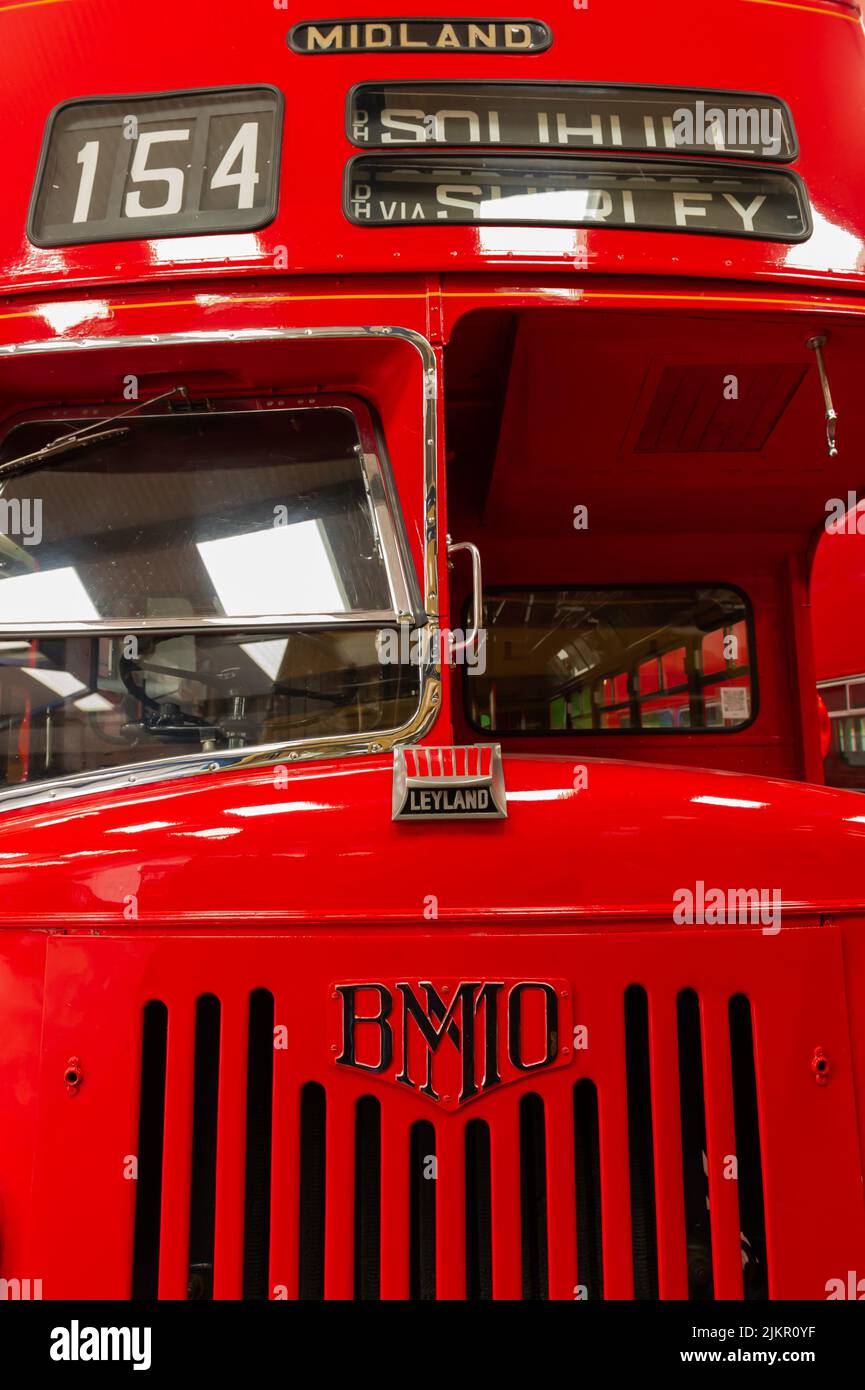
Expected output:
(474, 635)
(816, 345)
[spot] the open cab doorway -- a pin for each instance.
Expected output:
(644, 486)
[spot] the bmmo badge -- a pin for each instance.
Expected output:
(452, 1040)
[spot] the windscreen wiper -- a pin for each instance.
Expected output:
(79, 439)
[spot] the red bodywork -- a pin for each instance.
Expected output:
(837, 596)
(212, 921)
(837, 588)
(227, 884)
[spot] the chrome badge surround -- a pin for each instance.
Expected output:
(459, 782)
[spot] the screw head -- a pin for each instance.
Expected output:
(821, 1066)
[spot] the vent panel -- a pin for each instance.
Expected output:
(691, 414)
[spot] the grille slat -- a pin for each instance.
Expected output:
(752, 1215)
(640, 1143)
(230, 1188)
(423, 1185)
(506, 1223)
(177, 1152)
(479, 1219)
(608, 1038)
(695, 1189)
(720, 1147)
(367, 1199)
(451, 1209)
(561, 1194)
(151, 1125)
(284, 1275)
(533, 1197)
(666, 1128)
(397, 1207)
(259, 1140)
(309, 1256)
(339, 1165)
(205, 1121)
(587, 1166)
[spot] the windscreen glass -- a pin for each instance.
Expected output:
(194, 516)
(79, 704)
(202, 583)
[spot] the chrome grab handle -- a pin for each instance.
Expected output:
(477, 587)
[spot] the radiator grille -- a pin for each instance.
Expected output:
(563, 1182)
(503, 1204)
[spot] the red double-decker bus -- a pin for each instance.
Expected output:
(417, 874)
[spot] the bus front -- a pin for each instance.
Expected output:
(418, 878)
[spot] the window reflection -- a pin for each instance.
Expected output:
(79, 704)
(246, 514)
(170, 540)
(594, 660)
(288, 569)
(50, 596)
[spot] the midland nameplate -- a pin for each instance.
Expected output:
(419, 36)
(648, 195)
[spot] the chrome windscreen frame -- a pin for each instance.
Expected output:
(397, 561)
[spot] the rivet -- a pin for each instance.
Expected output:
(73, 1075)
(820, 1066)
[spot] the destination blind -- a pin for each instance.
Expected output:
(571, 115)
(692, 196)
